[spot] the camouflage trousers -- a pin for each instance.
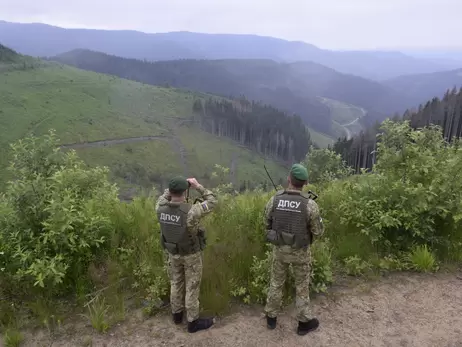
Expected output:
(301, 264)
(185, 274)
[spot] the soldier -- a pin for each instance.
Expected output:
(291, 219)
(184, 240)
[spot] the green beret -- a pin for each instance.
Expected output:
(299, 172)
(178, 184)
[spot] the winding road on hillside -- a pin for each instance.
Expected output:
(353, 122)
(400, 310)
(345, 126)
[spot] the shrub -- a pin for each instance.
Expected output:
(324, 165)
(54, 218)
(322, 272)
(356, 266)
(411, 197)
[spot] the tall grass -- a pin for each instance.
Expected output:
(235, 236)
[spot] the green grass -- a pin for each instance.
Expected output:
(422, 259)
(322, 140)
(248, 165)
(12, 338)
(85, 106)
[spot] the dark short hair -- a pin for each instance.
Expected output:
(296, 182)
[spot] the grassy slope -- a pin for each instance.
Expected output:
(85, 106)
(322, 140)
(292, 87)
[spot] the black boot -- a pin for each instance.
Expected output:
(305, 327)
(271, 322)
(200, 324)
(178, 318)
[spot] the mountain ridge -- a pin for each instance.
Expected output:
(422, 87)
(44, 40)
(292, 87)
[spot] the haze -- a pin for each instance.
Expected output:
(334, 24)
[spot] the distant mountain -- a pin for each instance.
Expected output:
(292, 87)
(7, 55)
(451, 57)
(46, 40)
(422, 87)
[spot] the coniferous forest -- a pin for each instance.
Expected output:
(263, 128)
(359, 151)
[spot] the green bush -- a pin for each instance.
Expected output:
(411, 197)
(324, 165)
(54, 218)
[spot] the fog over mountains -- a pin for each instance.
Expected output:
(294, 76)
(46, 40)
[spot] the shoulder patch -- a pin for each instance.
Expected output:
(205, 207)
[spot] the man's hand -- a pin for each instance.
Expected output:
(193, 182)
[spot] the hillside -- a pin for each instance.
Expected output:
(46, 40)
(292, 87)
(7, 55)
(422, 87)
(10, 60)
(153, 132)
(359, 151)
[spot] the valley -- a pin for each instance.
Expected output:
(94, 123)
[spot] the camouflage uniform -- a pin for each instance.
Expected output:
(185, 271)
(301, 263)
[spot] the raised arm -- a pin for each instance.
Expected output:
(201, 209)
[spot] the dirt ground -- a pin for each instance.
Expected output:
(400, 310)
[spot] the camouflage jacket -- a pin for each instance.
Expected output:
(197, 211)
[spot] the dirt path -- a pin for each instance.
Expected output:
(109, 142)
(402, 311)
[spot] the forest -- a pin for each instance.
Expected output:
(359, 152)
(263, 128)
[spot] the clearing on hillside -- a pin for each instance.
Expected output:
(320, 139)
(85, 106)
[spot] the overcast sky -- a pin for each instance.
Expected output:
(337, 24)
